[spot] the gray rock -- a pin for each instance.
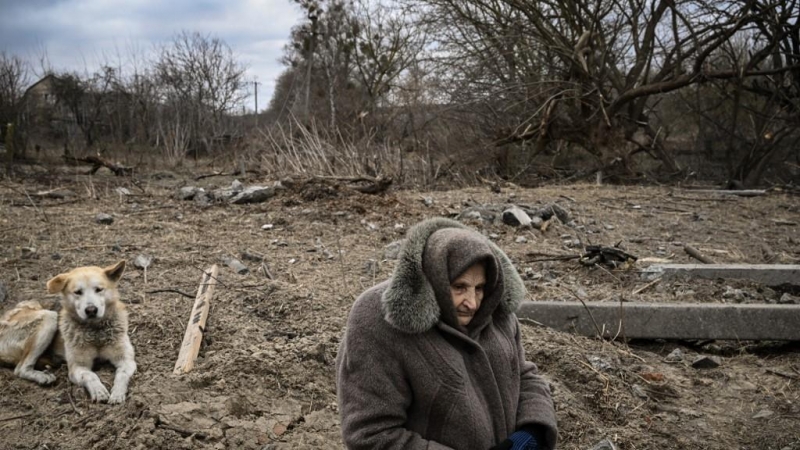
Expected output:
(599, 363)
(142, 261)
(787, 298)
(3, 292)
(605, 444)
(733, 294)
(470, 215)
(254, 194)
(267, 226)
(536, 222)
(392, 251)
(237, 186)
(608, 226)
(28, 252)
(221, 195)
(427, 201)
(122, 191)
(516, 217)
(103, 219)
(706, 362)
(202, 198)
(521, 240)
(188, 192)
(561, 213)
(236, 265)
(639, 391)
(674, 356)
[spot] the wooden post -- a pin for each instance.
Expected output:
(197, 322)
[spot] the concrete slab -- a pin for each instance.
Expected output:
(669, 320)
(767, 274)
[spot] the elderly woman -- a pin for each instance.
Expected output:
(432, 358)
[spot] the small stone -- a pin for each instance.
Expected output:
(474, 215)
(674, 356)
(116, 248)
(142, 262)
(787, 298)
(56, 256)
(734, 294)
(292, 261)
(427, 201)
(188, 192)
(608, 226)
(122, 191)
(706, 362)
(237, 186)
(28, 252)
(493, 236)
(537, 222)
(399, 226)
(763, 414)
(103, 219)
(521, 240)
(561, 213)
(372, 226)
(267, 226)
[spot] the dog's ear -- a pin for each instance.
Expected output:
(114, 273)
(57, 283)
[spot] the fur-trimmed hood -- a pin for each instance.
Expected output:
(409, 303)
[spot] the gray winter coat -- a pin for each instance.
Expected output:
(410, 377)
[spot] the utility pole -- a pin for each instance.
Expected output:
(255, 85)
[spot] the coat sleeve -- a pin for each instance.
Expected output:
(535, 403)
(372, 387)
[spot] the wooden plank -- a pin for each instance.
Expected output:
(193, 337)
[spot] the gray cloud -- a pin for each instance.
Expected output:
(82, 34)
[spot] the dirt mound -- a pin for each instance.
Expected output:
(265, 374)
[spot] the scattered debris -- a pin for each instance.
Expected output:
(189, 192)
(253, 194)
(142, 262)
(98, 162)
(516, 217)
(694, 253)
(733, 294)
(103, 219)
(236, 265)
(706, 362)
(605, 444)
(763, 414)
(609, 256)
(197, 322)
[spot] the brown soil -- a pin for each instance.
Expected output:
(265, 375)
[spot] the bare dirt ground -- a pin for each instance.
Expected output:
(265, 376)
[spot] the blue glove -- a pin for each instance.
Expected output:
(522, 440)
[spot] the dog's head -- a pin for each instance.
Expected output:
(87, 291)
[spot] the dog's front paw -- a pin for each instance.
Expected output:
(44, 378)
(117, 397)
(97, 392)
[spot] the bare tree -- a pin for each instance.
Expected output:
(13, 80)
(586, 72)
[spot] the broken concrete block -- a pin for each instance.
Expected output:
(253, 194)
(706, 362)
(767, 274)
(669, 320)
(516, 217)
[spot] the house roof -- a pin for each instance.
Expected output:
(46, 77)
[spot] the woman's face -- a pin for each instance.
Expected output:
(467, 293)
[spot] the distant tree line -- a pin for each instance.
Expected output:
(178, 101)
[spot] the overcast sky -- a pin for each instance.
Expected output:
(83, 33)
